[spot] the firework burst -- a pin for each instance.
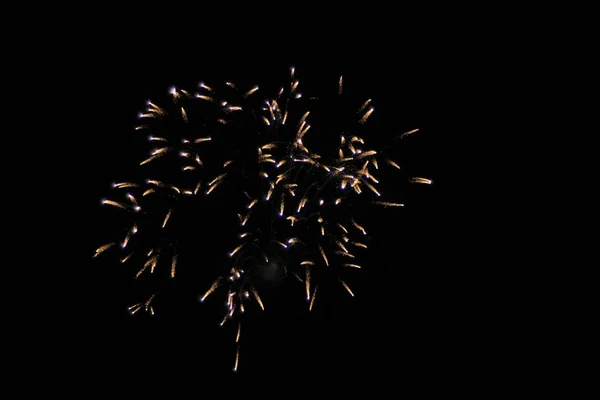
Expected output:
(287, 199)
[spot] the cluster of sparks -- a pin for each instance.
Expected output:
(291, 214)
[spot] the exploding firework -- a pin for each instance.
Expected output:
(287, 198)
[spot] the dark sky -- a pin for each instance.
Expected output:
(413, 321)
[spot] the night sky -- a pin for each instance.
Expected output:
(414, 319)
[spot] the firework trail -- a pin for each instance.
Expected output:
(292, 200)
